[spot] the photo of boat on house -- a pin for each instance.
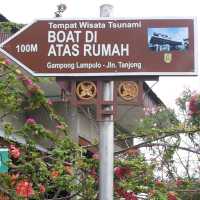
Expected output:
(168, 39)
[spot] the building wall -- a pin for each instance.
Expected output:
(81, 122)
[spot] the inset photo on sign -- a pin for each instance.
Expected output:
(168, 39)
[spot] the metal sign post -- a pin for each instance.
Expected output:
(106, 129)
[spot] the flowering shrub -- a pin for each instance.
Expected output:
(121, 172)
(42, 188)
(64, 171)
(30, 121)
(14, 152)
(157, 119)
(189, 103)
(171, 196)
(194, 105)
(24, 189)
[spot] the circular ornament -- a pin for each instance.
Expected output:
(128, 90)
(86, 90)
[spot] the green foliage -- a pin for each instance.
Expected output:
(62, 171)
(11, 98)
(185, 97)
(8, 27)
(156, 122)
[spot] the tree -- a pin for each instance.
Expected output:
(63, 171)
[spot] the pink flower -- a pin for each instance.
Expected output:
(30, 121)
(60, 126)
(130, 196)
(50, 102)
(5, 62)
(121, 172)
(24, 189)
(42, 188)
(193, 105)
(14, 151)
(120, 192)
(26, 81)
(8, 62)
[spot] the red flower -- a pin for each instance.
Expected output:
(193, 105)
(26, 81)
(130, 196)
(30, 121)
(120, 192)
(171, 196)
(55, 174)
(24, 189)
(14, 151)
(42, 188)
(121, 172)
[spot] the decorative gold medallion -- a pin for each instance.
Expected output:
(86, 90)
(128, 90)
(167, 57)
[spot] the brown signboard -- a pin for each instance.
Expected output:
(105, 47)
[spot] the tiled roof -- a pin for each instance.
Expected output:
(3, 19)
(152, 95)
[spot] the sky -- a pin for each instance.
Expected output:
(176, 34)
(167, 88)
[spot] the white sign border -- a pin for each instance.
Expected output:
(107, 74)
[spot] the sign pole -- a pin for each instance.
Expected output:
(106, 129)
